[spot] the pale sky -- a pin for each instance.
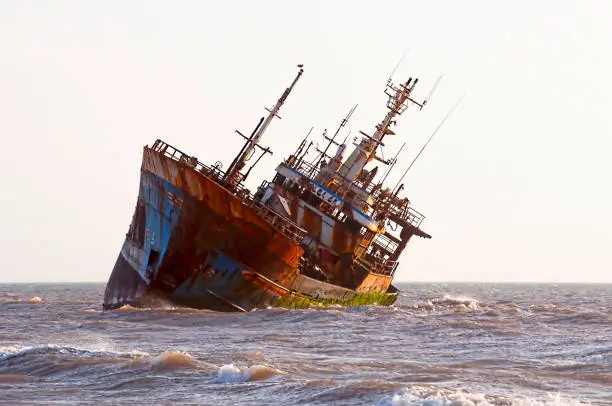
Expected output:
(515, 186)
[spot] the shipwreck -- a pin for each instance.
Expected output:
(322, 230)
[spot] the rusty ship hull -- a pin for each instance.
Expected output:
(321, 231)
(196, 244)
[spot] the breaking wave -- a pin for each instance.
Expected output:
(432, 396)
(437, 346)
(158, 307)
(15, 299)
(51, 359)
(232, 374)
(129, 308)
(453, 303)
(22, 352)
(559, 314)
(457, 301)
(18, 361)
(169, 360)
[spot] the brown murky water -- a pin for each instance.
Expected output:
(441, 344)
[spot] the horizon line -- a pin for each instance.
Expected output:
(397, 282)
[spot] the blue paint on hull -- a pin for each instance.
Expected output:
(162, 258)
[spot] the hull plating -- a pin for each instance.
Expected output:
(195, 244)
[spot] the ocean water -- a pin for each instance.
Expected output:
(440, 344)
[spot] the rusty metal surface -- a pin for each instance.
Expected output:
(375, 283)
(336, 241)
(221, 284)
(209, 241)
(321, 290)
(197, 243)
(193, 241)
(228, 216)
(124, 286)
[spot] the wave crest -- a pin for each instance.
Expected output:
(232, 374)
(432, 396)
(448, 302)
(18, 351)
(457, 301)
(174, 360)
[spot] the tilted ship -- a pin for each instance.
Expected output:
(322, 231)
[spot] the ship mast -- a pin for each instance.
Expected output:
(332, 140)
(233, 175)
(399, 99)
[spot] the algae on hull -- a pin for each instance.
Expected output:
(296, 301)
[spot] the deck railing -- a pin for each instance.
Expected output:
(278, 222)
(409, 214)
(379, 267)
(406, 213)
(175, 154)
(305, 168)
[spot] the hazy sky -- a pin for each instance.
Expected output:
(516, 185)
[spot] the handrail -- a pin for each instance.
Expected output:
(303, 167)
(378, 267)
(408, 213)
(403, 211)
(179, 156)
(278, 222)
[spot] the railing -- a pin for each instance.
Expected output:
(175, 154)
(379, 267)
(377, 259)
(409, 214)
(305, 168)
(406, 213)
(370, 187)
(399, 207)
(384, 243)
(278, 222)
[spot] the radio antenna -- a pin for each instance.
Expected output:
(397, 65)
(393, 162)
(433, 89)
(332, 140)
(426, 143)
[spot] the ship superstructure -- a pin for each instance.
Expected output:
(321, 230)
(347, 214)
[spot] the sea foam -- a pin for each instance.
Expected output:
(457, 301)
(232, 374)
(431, 396)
